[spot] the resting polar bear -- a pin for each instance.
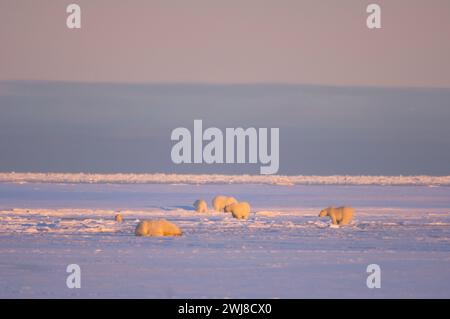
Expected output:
(200, 206)
(339, 216)
(239, 210)
(220, 202)
(157, 228)
(118, 218)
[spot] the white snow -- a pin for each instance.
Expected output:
(283, 251)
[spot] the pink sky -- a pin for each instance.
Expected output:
(228, 41)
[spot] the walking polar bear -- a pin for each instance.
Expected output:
(338, 216)
(239, 210)
(220, 202)
(201, 206)
(157, 228)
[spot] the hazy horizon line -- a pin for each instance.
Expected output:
(215, 174)
(222, 84)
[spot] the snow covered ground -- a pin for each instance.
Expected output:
(283, 251)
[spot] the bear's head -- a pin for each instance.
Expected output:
(228, 208)
(324, 212)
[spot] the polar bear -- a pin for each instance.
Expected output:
(157, 228)
(201, 206)
(218, 203)
(228, 202)
(240, 210)
(339, 216)
(118, 218)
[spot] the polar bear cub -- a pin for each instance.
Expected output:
(338, 216)
(157, 228)
(240, 210)
(220, 202)
(201, 206)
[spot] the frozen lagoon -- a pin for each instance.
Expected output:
(282, 251)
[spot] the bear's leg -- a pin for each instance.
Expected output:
(333, 220)
(345, 221)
